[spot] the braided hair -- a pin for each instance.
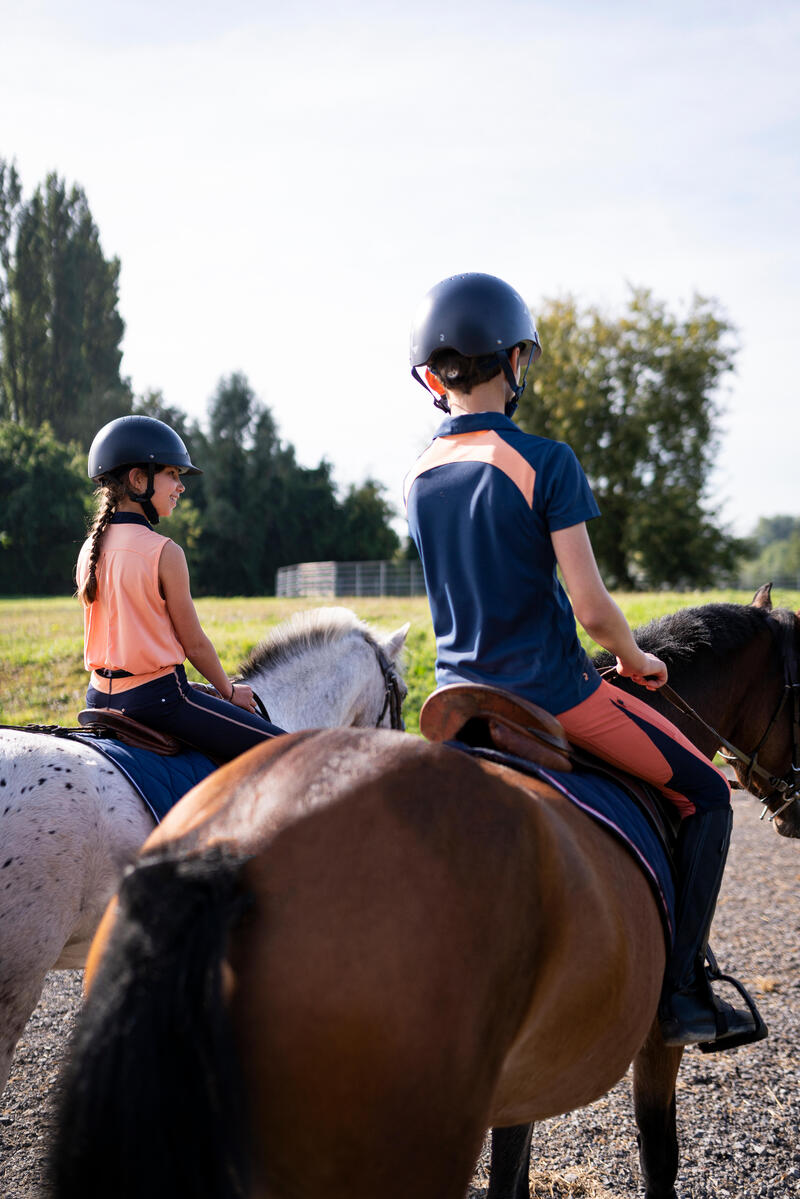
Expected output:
(110, 494)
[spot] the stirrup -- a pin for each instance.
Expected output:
(722, 1042)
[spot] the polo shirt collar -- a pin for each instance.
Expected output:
(129, 518)
(474, 422)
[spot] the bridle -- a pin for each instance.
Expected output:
(392, 697)
(787, 786)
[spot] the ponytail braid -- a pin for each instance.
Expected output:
(110, 493)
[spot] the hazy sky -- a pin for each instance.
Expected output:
(282, 184)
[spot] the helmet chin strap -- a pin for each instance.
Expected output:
(516, 388)
(145, 497)
(433, 387)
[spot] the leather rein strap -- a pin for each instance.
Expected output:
(392, 700)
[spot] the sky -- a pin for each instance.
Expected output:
(282, 183)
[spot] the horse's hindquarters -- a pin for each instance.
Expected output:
(382, 976)
(598, 975)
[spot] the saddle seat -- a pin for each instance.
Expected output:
(108, 722)
(489, 717)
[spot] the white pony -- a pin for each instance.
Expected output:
(70, 822)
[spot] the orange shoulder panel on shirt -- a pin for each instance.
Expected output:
(484, 445)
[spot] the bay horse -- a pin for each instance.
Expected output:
(70, 822)
(346, 955)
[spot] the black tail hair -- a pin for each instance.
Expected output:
(152, 1100)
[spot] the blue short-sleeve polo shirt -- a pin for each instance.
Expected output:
(482, 501)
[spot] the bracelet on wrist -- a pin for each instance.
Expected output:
(230, 697)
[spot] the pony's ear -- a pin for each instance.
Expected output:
(395, 642)
(763, 597)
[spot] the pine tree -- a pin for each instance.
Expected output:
(60, 329)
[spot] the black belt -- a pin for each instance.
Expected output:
(113, 674)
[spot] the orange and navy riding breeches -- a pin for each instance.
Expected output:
(626, 732)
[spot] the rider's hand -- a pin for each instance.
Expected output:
(243, 697)
(648, 671)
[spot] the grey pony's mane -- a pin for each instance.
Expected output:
(714, 629)
(305, 631)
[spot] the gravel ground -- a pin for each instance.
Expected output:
(738, 1112)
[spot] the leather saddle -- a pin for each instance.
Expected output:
(489, 717)
(108, 722)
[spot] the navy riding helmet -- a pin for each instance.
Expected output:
(476, 315)
(138, 441)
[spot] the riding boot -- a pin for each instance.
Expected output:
(689, 1012)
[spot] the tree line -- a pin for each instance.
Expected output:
(637, 396)
(255, 508)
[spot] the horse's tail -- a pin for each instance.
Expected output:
(152, 1100)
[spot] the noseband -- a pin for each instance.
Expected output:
(787, 786)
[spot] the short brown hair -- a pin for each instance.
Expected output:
(459, 373)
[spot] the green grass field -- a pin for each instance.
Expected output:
(42, 680)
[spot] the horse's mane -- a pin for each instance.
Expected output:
(302, 632)
(714, 629)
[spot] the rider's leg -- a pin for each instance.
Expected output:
(623, 730)
(214, 726)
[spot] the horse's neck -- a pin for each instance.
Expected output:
(724, 694)
(316, 689)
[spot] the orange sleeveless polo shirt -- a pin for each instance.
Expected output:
(128, 626)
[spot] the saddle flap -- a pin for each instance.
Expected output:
(505, 721)
(129, 731)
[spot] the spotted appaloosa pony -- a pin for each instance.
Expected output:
(344, 957)
(70, 822)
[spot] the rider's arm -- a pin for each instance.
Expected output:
(173, 576)
(597, 612)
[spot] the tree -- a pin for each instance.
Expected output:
(636, 398)
(45, 500)
(366, 532)
(261, 510)
(773, 552)
(60, 330)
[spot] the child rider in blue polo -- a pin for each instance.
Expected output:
(493, 512)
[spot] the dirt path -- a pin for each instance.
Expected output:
(739, 1113)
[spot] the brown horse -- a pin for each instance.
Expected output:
(347, 954)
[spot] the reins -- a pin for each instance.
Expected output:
(787, 786)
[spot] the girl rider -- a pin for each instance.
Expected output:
(493, 512)
(139, 619)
